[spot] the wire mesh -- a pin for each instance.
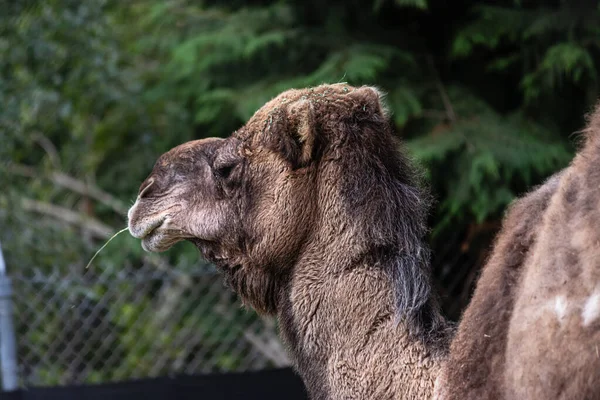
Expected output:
(76, 325)
(111, 326)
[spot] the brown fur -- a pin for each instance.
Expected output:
(477, 353)
(553, 350)
(523, 334)
(314, 214)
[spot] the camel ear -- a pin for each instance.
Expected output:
(369, 100)
(301, 123)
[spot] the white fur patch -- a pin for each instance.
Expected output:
(560, 307)
(591, 309)
(439, 388)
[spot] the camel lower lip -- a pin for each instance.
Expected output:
(151, 229)
(157, 241)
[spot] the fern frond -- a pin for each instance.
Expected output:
(492, 25)
(405, 104)
(564, 61)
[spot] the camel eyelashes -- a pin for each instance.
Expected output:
(224, 171)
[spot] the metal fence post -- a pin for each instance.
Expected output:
(8, 348)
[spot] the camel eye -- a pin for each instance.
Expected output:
(224, 171)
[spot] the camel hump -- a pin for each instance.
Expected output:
(559, 297)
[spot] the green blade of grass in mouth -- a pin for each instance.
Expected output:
(107, 242)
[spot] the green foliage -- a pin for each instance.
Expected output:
(72, 103)
(96, 90)
(229, 69)
(487, 155)
(125, 322)
(564, 61)
(553, 46)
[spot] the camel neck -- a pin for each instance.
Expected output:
(346, 339)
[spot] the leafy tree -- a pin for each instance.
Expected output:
(486, 95)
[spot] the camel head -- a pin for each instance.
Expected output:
(311, 165)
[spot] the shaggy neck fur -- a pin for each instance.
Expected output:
(358, 314)
(346, 344)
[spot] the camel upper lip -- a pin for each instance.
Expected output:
(147, 229)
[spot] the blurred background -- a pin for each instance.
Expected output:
(487, 95)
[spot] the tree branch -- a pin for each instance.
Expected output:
(73, 184)
(444, 95)
(89, 224)
(93, 226)
(48, 147)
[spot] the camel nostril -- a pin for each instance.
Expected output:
(145, 187)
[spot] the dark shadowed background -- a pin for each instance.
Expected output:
(487, 95)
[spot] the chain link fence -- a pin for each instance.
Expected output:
(456, 264)
(75, 325)
(103, 326)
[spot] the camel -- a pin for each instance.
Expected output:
(532, 328)
(314, 213)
